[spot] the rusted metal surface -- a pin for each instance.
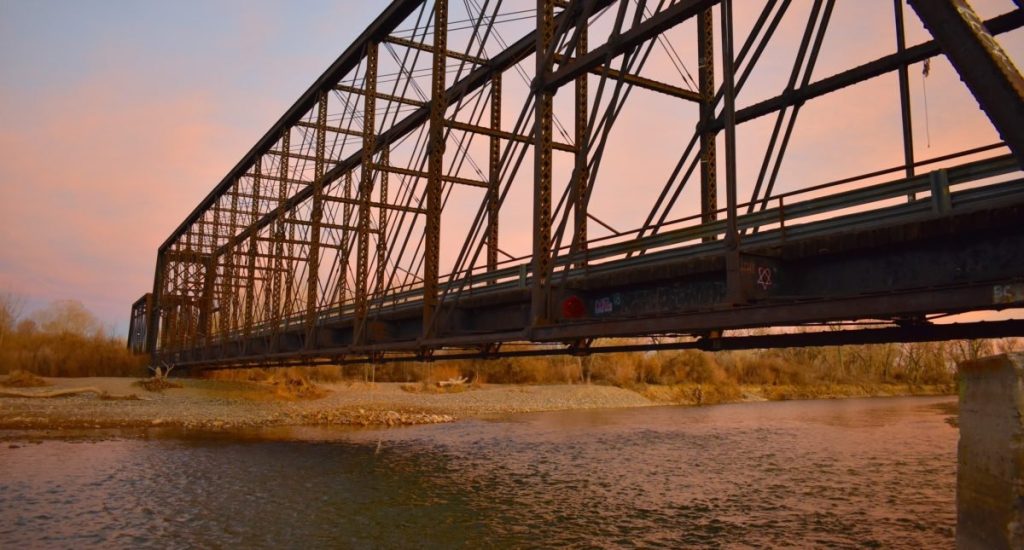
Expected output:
(325, 244)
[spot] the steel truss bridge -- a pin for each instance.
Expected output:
(364, 225)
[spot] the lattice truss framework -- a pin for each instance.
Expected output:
(384, 184)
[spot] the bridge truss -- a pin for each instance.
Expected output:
(370, 222)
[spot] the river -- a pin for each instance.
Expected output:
(847, 473)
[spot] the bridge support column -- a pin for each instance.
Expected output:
(990, 474)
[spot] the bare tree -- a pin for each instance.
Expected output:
(11, 306)
(68, 317)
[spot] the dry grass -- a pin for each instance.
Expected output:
(686, 377)
(292, 383)
(23, 379)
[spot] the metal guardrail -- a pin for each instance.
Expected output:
(791, 219)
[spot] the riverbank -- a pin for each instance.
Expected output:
(226, 405)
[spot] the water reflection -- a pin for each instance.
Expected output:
(854, 473)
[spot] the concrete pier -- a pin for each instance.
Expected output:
(990, 477)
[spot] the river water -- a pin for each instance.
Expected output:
(847, 473)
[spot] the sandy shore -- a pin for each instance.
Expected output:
(220, 405)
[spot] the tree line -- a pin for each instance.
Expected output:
(62, 339)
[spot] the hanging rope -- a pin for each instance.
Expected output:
(926, 69)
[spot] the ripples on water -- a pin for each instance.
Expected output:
(854, 473)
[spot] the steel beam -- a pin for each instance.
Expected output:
(732, 236)
(316, 216)
(581, 168)
(479, 77)
(365, 189)
(392, 16)
(658, 23)
(494, 174)
(908, 127)
(996, 25)
(708, 148)
(543, 112)
(982, 63)
(382, 224)
(435, 167)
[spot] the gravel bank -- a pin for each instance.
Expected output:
(218, 405)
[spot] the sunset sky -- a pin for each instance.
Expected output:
(117, 117)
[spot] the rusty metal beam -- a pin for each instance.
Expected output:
(430, 49)
(355, 202)
(637, 80)
(997, 25)
(543, 112)
(393, 15)
(982, 63)
(435, 167)
(581, 169)
(426, 175)
(332, 129)
(365, 189)
(315, 216)
(375, 94)
(708, 147)
(658, 23)
(494, 174)
(479, 77)
(493, 133)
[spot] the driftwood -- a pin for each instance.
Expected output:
(48, 394)
(452, 382)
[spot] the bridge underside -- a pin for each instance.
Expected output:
(302, 255)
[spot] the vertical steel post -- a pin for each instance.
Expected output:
(706, 84)
(279, 237)
(206, 307)
(435, 167)
(250, 279)
(543, 105)
(346, 215)
(494, 170)
(382, 223)
(153, 323)
(229, 317)
(313, 276)
(365, 188)
(908, 129)
(184, 294)
(201, 332)
(732, 238)
(581, 168)
(216, 298)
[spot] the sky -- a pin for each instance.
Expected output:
(118, 116)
